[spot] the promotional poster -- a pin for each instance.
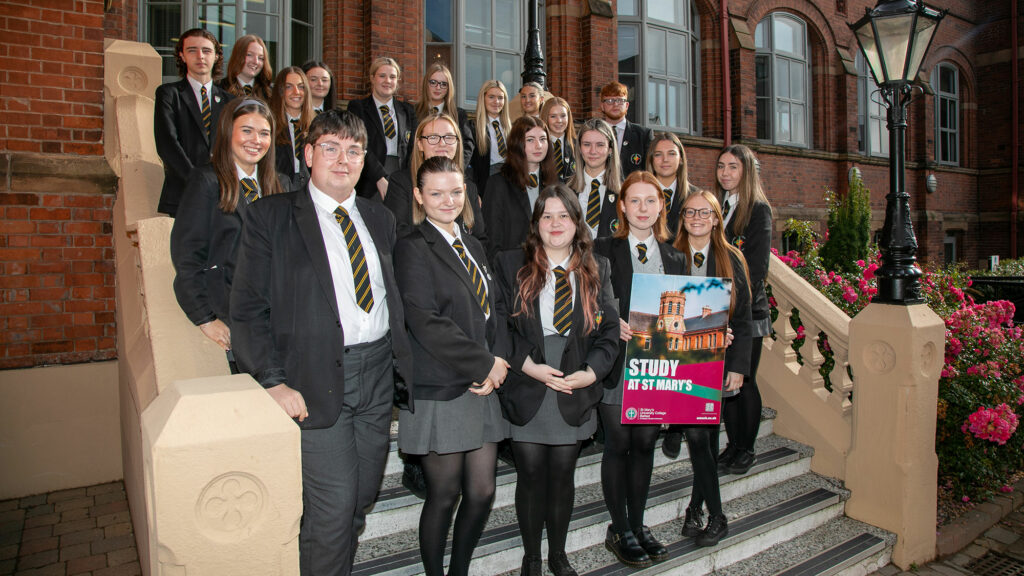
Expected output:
(676, 359)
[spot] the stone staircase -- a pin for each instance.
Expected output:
(783, 520)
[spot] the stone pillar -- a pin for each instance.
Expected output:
(223, 480)
(896, 353)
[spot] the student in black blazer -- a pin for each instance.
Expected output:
(400, 198)
(748, 226)
(323, 94)
(598, 180)
(316, 318)
(558, 115)
(437, 96)
(208, 227)
(457, 337)
(490, 127)
(564, 329)
(666, 159)
(628, 460)
(511, 193)
(633, 139)
(249, 71)
(702, 242)
(183, 133)
(389, 133)
(293, 114)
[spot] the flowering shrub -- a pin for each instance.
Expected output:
(982, 382)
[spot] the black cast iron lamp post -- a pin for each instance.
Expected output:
(894, 37)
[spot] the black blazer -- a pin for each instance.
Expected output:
(285, 325)
(609, 219)
(616, 250)
(737, 356)
(204, 248)
(479, 167)
(180, 138)
(568, 160)
(399, 200)
(672, 212)
(453, 343)
(507, 212)
(633, 153)
(291, 180)
(377, 145)
(521, 396)
(755, 242)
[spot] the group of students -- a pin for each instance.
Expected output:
(472, 270)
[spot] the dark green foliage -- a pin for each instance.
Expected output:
(849, 227)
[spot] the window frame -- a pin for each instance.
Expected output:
(867, 119)
(640, 81)
(949, 97)
(773, 56)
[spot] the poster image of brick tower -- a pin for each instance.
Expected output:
(675, 359)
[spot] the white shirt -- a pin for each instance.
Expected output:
(585, 198)
(360, 327)
(496, 157)
(732, 199)
(197, 90)
(620, 131)
(458, 235)
(533, 193)
(391, 142)
(547, 299)
(291, 133)
(653, 253)
(701, 270)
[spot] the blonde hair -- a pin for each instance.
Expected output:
(417, 155)
(385, 61)
(423, 107)
(570, 128)
(612, 172)
(440, 165)
(483, 140)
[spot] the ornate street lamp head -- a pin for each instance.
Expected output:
(894, 37)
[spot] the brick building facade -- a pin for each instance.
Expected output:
(56, 269)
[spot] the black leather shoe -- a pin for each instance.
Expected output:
(725, 458)
(413, 479)
(626, 548)
(742, 462)
(532, 565)
(559, 565)
(672, 444)
(693, 524)
(655, 550)
(717, 529)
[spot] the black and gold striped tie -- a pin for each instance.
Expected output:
(502, 149)
(563, 301)
(389, 122)
(559, 160)
(726, 210)
(247, 89)
(641, 253)
(360, 273)
(698, 259)
(475, 277)
(299, 138)
(594, 204)
(532, 181)
(666, 193)
(317, 111)
(250, 190)
(205, 111)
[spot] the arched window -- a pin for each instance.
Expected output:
(946, 82)
(782, 79)
(872, 127)
(659, 60)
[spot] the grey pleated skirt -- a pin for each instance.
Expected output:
(447, 426)
(547, 426)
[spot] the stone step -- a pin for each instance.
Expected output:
(500, 548)
(398, 509)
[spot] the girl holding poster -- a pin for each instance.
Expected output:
(747, 224)
(702, 242)
(564, 330)
(638, 246)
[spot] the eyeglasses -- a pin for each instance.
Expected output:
(437, 83)
(333, 151)
(703, 213)
(614, 101)
(433, 139)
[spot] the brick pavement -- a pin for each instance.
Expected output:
(82, 531)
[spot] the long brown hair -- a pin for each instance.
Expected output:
(534, 273)
(277, 105)
(223, 160)
(612, 172)
(682, 173)
(724, 252)
(260, 84)
(423, 107)
(331, 100)
(483, 139)
(659, 228)
(516, 169)
(749, 189)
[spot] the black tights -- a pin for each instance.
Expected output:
(742, 412)
(702, 442)
(544, 493)
(626, 467)
(470, 474)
